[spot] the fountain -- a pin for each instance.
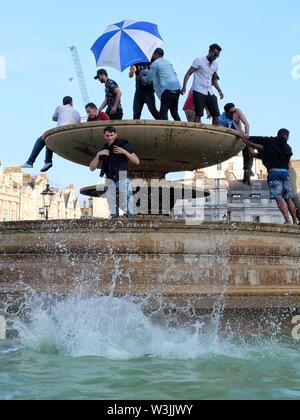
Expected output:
(250, 270)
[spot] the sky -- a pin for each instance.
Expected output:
(258, 66)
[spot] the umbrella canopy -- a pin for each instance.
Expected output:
(126, 43)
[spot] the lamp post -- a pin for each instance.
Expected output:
(229, 213)
(47, 199)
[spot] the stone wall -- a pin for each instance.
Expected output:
(249, 265)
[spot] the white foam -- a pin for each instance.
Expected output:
(117, 329)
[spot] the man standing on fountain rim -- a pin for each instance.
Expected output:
(165, 83)
(144, 94)
(206, 77)
(112, 96)
(276, 155)
(115, 155)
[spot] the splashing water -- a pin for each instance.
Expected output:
(106, 347)
(117, 329)
(109, 327)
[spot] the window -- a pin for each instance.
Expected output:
(256, 219)
(230, 167)
(237, 198)
(219, 167)
(256, 199)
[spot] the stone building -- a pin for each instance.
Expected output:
(295, 177)
(95, 208)
(252, 204)
(233, 168)
(21, 199)
(234, 201)
(230, 199)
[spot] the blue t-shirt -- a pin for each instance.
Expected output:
(226, 122)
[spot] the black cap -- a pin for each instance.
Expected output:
(100, 73)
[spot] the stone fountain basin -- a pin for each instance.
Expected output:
(163, 146)
(252, 265)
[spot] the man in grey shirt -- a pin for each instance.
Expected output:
(165, 83)
(205, 78)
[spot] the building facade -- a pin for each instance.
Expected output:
(234, 169)
(231, 200)
(21, 199)
(234, 201)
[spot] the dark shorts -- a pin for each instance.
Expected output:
(280, 185)
(209, 101)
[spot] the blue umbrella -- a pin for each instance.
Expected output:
(126, 43)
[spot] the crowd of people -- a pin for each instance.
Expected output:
(159, 77)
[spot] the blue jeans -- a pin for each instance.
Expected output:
(38, 147)
(119, 194)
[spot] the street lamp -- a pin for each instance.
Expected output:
(47, 198)
(229, 213)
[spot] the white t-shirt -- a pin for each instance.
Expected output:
(203, 75)
(66, 114)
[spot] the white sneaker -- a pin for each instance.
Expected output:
(46, 167)
(27, 166)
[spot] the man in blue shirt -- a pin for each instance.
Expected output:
(234, 118)
(165, 83)
(227, 118)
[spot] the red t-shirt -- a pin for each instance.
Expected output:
(102, 116)
(189, 103)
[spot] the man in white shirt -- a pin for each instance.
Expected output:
(64, 115)
(206, 77)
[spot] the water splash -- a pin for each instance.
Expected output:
(118, 329)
